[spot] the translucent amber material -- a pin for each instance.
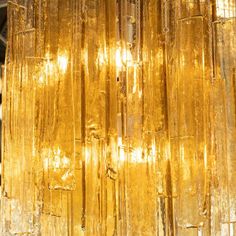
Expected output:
(119, 118)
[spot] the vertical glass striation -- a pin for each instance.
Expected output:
(119, 118)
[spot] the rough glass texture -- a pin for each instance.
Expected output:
(119, 118)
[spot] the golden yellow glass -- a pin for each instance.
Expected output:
(119, 118)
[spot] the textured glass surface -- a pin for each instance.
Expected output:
(119, 118)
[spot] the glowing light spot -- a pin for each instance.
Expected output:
(118, 59)
(41, 80)
(101, 57)
(65, 162)
(123, 58)
(136, 155)
(62, 62)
